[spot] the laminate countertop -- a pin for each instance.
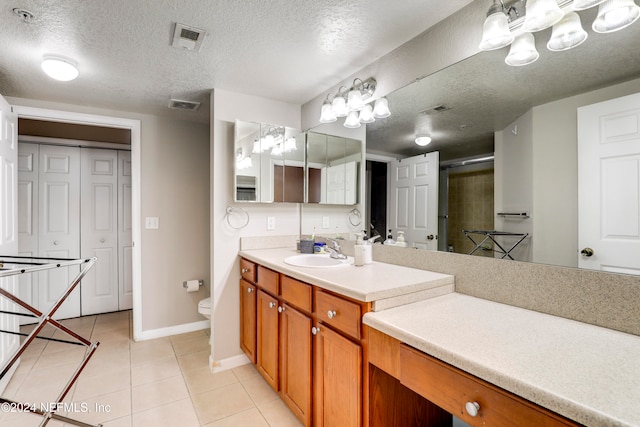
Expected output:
(385, 285)
(586, 373)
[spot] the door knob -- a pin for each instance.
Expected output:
(431, 237)
(587, 252)
(102, 240)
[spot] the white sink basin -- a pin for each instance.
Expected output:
(317, 261)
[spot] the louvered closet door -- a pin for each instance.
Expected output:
(59, 216)
(99, 229)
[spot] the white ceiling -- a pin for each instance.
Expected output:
(287, 50)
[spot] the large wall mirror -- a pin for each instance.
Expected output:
(269, 163)
(527, 116)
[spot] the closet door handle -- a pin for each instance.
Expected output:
(56, 242)
(103, 240)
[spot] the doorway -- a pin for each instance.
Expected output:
(133, 126)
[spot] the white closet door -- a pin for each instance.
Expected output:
(28, 159)
(99, 230)
(125, 239)
(8, 226)
(59, 216)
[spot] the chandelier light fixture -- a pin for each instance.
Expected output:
(354, 104)
(509, 23)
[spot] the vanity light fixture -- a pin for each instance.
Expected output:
(273, 140)
(423, 140)
(354, 103)
(536, 15)
(59, 68)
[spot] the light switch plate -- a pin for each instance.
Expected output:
(152, 223)
(325, 222)
(271, 223)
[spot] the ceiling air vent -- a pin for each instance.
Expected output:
(183, 105)
(186, 37)
(435, 109)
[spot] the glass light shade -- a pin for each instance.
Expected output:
(523, 51)
(567, 33)
(614, 15)
(339, 105)
(352, 121)
(366, 114)
(354, 100)
(423, 140)
(327, 115)
(585, 4)
(495, 32)
(256, 147)
(381, 108)
(268, 142)
(59, 68)
(290, 145)
(541, 14)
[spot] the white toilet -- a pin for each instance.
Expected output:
(204, 307)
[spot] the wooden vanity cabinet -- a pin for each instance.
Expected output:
(267, 335)
(400, 373)
(248, 324)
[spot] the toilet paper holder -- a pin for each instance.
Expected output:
(185, 283)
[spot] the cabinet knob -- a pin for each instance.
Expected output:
(315, 330)
(245, 270)
(272, 304)
(281, 309)
(249, 290)
(473, 408)
(331, 314)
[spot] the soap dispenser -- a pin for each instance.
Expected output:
(389, 240)
(401, 242)
(358, 251)
(368, 250)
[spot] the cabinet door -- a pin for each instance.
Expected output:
(337, 380)
(267, 338)
(295, 362)
(248, 319)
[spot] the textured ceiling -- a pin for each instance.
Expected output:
(288, 50)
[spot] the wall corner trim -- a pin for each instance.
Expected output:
(175, 330)
(228, 363)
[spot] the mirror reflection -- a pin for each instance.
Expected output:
(527, 118)
(269, 163)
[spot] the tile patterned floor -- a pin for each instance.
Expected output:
(155, 383)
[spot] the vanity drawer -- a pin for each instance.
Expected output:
(451, 389)
(296, 293)
(339, 313)
(248, 270)
(268, 280)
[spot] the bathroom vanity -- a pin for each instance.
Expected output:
(385, 345)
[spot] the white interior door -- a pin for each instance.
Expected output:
(28, 202)
(609, 185)
(59, 216)
(8, 227)
(99, 229)
(413, 199)
(125, 229)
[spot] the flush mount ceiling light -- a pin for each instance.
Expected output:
(535, 15)
(423, 140)
(59, 68)
(354, 104)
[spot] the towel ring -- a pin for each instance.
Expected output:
(233, 210)
(355, 217)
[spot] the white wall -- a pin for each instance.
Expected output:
(175, 188)
(513, 175)
(226, 107)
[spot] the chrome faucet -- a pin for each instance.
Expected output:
(335, 250)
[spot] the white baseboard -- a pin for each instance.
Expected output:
(176, 330)
(228, 363)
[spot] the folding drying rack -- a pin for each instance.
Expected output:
(490, 235)
(17, 265)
